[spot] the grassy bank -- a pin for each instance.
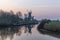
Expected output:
(54, 26)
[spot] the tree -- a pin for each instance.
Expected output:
(8, 18)
(19, 14)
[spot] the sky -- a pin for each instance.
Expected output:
(40, 8)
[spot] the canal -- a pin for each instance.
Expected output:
(26, 32)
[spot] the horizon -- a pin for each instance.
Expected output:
(40, 8)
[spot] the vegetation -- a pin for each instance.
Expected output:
(7, 18)
(54, 26)
(10, 18)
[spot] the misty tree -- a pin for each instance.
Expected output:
(19, 15)
(8, 18)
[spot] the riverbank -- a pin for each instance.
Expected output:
(54, 26)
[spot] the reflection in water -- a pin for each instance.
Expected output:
(28, 28)
(11, 31)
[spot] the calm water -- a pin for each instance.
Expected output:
(27, 32)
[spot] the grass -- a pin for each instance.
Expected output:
(55, 26)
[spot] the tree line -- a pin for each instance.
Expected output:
(9, 18)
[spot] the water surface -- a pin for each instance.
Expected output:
(27, 32)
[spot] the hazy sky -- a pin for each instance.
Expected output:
(40, 8)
